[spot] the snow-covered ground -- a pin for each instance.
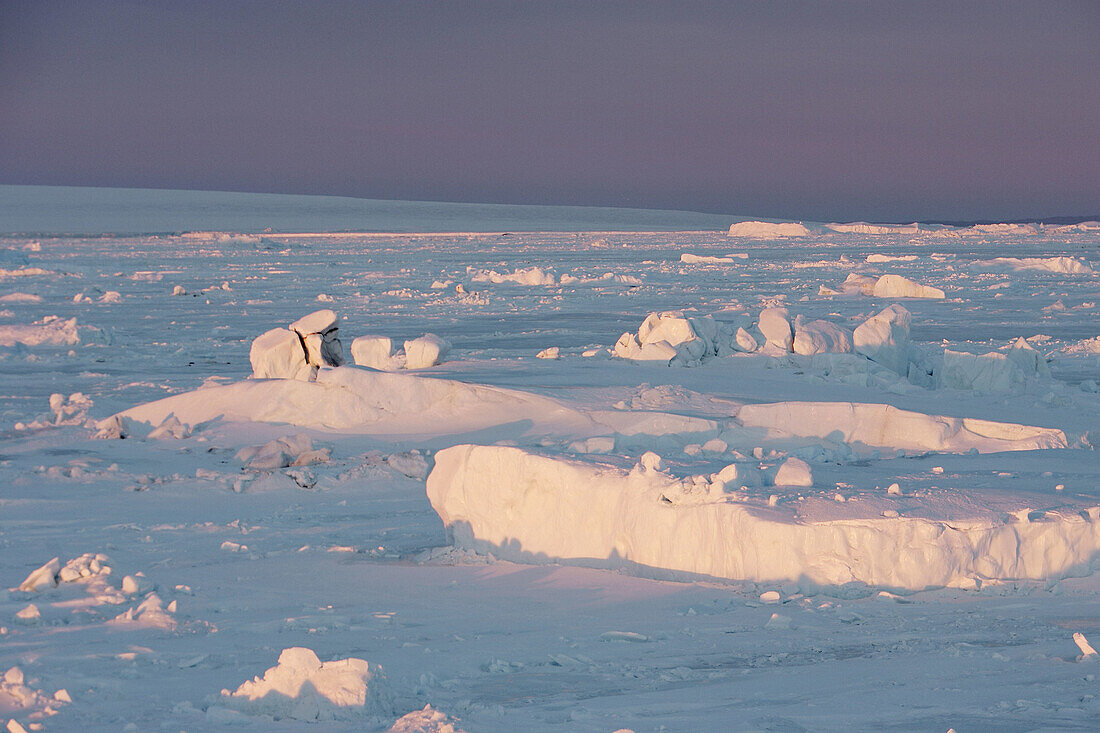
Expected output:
(777, 503)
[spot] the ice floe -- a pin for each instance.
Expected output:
(768, 230)
(596, 514)
(1063, 265)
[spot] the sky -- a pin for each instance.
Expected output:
(882, 111)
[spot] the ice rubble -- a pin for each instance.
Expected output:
(16, 693)
(312, 342)
(301, 687)
(997, 371)
(427, 720)
(673, 338)
(680, 340)
(290, 450)
(767, 230)
(584, 512)
(50, 330)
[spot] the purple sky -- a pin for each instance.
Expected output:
(816, 110)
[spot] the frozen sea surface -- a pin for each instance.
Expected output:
(211, 577)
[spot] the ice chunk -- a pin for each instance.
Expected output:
(692, 259)
(375, 352)
(278, 354)
(821, 337)
(552, 352)
(1029, 361)
(896, 286)
(992, 372)
(316, 322)
(794, 472)
(43, 577)
(426, 351)
(744, 341)
(889, 258)
(318, 333)
(1083, 644)
(301, 687)
(28, 615)
(775, 324)
(884, 338)
(856, 284)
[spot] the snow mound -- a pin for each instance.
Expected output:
(768, 230)
(367, 402)
(301, 687)
(585, 512)
(896, 286)
(862, 227)
(51, 330)
(428, 720)
(888, 428)
(1062, 265)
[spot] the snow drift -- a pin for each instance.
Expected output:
(362, 401)
(886, 427)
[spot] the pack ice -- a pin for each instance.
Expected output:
(838, 509)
